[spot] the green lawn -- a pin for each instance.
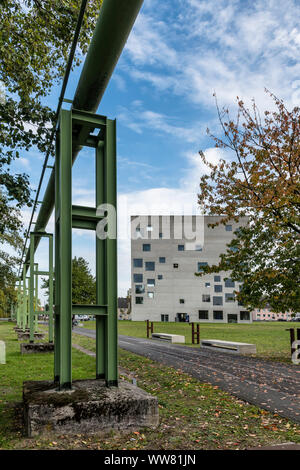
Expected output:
(271, 339)
(192, 415)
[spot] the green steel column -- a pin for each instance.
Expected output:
(31, 289)
(65, 249)
(19, 304)
(111, 258)
(57, 256)
(50, 316)
(100, 268)
(36, 298)
(24, 309)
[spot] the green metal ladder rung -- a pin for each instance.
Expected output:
(41, 273)
(78, 309)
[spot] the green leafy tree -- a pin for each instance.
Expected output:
(260, 179)
(35, 40)
(83, 283)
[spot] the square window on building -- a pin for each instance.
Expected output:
(139, 289)
(218, 314)
(139, 300)
(150, 282)
(228, 228)
(175, 265)
(137, 262)
(162, 259)
(207, 284)
(181, 301)
(150, 266)
(203, 314)
(244, 315)
(217, 300)
(201, 265)
(164, 317)
(217, 278)
(137, 278)
(229, 297)
(146, 247)
(150, 295)
(159, 276)
(180, 247)
(229, 283)
(218, 288)
(205, 298)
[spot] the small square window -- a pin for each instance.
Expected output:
(137, 278)
(205, 298)
(150, 266)
(218, 288)
(150, 295)
(159, 276)
(139, 300)
(201, 266)
(139, 289)
(175, 265)
(162, 259)
(228, 228)
(207, 284)
(203, 314)
(150, 282)
(180, 247)
(217, 300)
(146, 247)
(137, 262)
(217, 278)
(164, 317)
(181, 301)
(229, 283)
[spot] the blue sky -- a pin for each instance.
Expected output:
(161, 93)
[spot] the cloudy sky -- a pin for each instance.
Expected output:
(161, 93)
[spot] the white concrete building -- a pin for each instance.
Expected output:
(166, 252)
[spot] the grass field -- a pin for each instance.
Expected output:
(271, 339)
(192, 415)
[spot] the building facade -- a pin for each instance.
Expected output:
(166, 252)
(267, 315)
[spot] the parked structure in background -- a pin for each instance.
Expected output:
(123, 308)
(166, 252)
(267, 315)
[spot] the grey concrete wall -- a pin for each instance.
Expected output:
(180, 283)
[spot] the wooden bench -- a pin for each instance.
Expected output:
(228, 346)
(169, 338)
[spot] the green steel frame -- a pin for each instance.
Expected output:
(68, 217)
(33, 286)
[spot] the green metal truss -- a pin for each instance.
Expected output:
(68, 217)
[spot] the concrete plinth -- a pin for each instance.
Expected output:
(25, 335)
(34, 348)
(90, 407)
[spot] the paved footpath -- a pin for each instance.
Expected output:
(273, 386)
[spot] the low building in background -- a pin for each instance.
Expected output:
(164, 260)
(267, 315)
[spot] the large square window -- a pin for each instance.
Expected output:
(146, 247)
(218, 288)
(229, 297)
(137, 278)
(137, 262)
(229, 283)
(205, 298)
(150, 266)
(217, 278)
(139, 300)
(218, 314)
(217, 300)
(244, 315)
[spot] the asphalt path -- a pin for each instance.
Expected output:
(272, 386)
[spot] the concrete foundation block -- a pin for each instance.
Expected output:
(35, 348)
(90, 407)
(22, 336)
